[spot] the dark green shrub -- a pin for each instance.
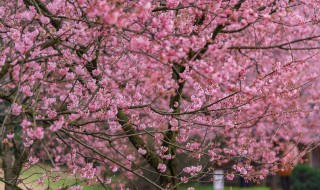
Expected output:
(305, 178)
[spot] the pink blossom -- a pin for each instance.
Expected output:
(192, 170)
(39, 133)
(88, 171)
(172, 3)
(16, 109)
(26, 90)
(14, 34)
(70, 76)
(51, 66)
(114, 168)
(40, 181)
(108, 181)
(28, 142)
(142, 127)
(76, 187)
(2, 11)
(139, 43)
(96, 72)
(10, 136)
(57, 125)
(73, 117)
(44, 20)
(230, 176)
(163, 149)
(25, 123)
(130, 157)
(142, 151)
(184, 179)
(243, 171)
(174, 122)
(167, 157)
(52, 114)
(33, 160)
(162, 168)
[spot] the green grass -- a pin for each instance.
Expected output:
(248, 188)
(31, 175)
(208, 187)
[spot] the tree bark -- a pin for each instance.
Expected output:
(7, 165)
(12, 163)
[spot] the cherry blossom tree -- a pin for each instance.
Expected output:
(123, 90)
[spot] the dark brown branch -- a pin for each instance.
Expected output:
(151, 157)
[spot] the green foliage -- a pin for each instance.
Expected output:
(305, 178)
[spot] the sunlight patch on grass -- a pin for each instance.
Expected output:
(31, 176)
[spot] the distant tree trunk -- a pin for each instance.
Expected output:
(273, 185)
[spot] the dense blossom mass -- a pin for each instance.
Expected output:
(162, 92)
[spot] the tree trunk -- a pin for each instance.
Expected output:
(12, 163)
(273, 185)
(7, 165)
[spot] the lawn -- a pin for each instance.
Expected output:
(198, 187)
(249, 188)
(31, 176)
